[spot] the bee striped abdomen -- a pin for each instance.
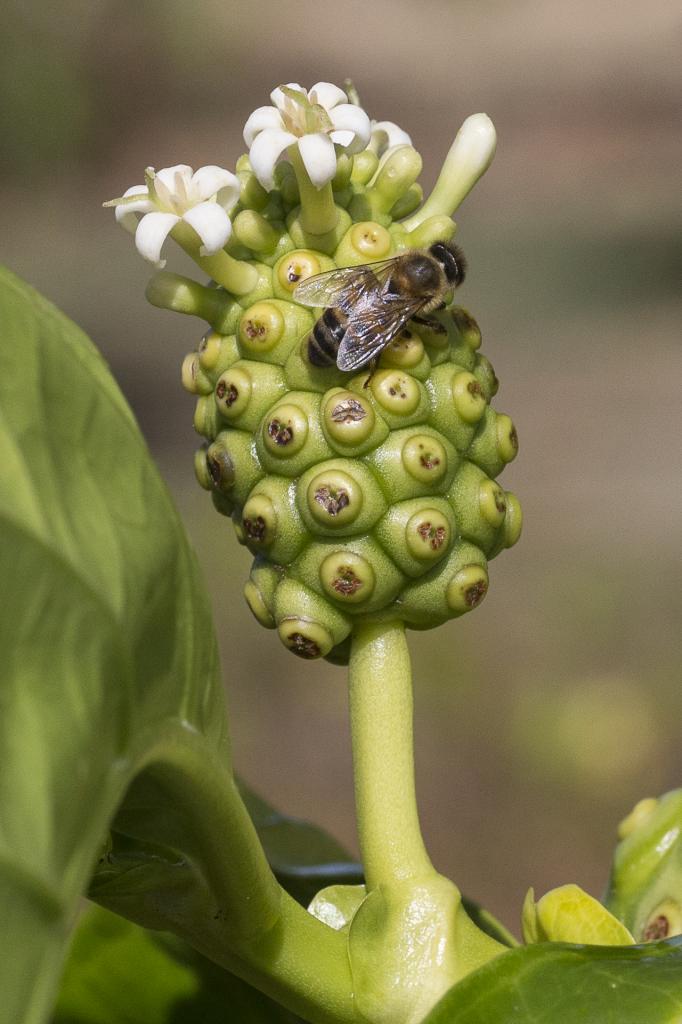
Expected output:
(326, 336)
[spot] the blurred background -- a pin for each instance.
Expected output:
(544, 716)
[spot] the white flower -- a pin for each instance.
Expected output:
(386, 135)
(315, 121)
(201, 199)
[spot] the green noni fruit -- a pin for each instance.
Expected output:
(367, 495)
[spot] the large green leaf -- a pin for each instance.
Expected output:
(118, 973)
(554, 983)
(106, 644)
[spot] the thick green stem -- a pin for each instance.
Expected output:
(223, 836)
(318, 210)
(300, 962)
(237, 276)
(182, 295)
(259, 932)
(381, 723)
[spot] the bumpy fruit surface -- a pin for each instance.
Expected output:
(365, 496)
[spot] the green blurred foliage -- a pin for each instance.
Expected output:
(119, 973)
(525, 710)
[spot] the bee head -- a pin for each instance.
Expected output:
(451, 259)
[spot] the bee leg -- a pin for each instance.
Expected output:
(429, 321)
(372, 371)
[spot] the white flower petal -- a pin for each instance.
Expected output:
(327, 95)
(319, 156)
(342, 138)
(212, 225)
(278, 97)
(127, 219)
(262, 117)
(228, 196)
(474, 146)
(349, 118)
(163, 194)
(135, 190)
(265, 151)
(168, 174)
(171, 185)
(386, 134)
(125, 213)
(151, 233)
(212, 181)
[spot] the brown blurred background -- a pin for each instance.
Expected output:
(545, 715)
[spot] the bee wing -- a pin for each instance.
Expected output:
(343, 287)
(373, 325)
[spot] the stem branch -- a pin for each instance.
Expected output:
(237, 276)
(217, 830)
(259, 931)
(381, 723)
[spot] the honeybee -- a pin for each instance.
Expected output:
(368, 306)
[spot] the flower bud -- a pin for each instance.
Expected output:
(407, 352)
(245, 392)
(495, 444)
(231, 465)
(364, 242)
(290, 437)
(260, 591)
(181, 295)
(569, 914)
(399, 398)
(194, 379)
(340, 498)
(307, 624)
(417, 533)
(413, 462)
(364, 167)
(271, 522)
(644, 887)
(256, 233)
(408, 202)
(397, 172)
(483, 371)
(455, 586)
(350, 424)
(294, 267)
(217, 352)
(357, 576)
(480, 507)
